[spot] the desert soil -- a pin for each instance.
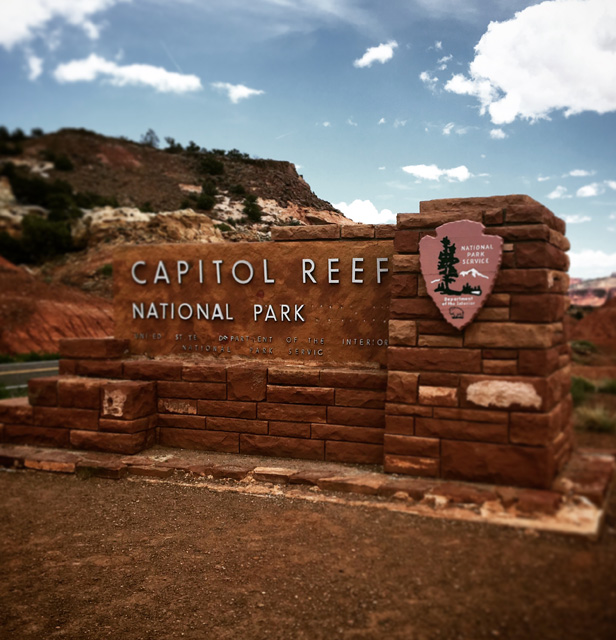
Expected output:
(130, 559)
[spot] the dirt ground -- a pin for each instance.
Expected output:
(94, 558)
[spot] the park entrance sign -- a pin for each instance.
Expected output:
(460, 267)
(335, 343)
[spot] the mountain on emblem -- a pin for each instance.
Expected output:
(457, 245)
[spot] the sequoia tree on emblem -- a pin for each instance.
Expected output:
(459, 267)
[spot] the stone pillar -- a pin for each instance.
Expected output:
(491, 402)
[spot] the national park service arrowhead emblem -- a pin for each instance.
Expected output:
(460, 266)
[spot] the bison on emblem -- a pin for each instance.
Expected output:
(456, 313)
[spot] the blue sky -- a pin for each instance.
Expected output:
(380, 104)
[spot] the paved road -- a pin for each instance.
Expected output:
(17, 374)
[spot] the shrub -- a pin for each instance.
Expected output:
(146, 207)
(595, 419)
(173, 146)
(251, 209)
(12, 249)
(106, 270)
(89, 200)
(237, 190)
(223, 227)
(44, 239)
(209, 188)
(37, 132)
(211, 166)
(150, 139)
(583, 347)
(192, 148)
(205, 202)
(607, 386)
(580, 388)
(63, 163)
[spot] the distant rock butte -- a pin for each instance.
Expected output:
(592, 293)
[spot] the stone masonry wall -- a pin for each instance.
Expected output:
(491, 402)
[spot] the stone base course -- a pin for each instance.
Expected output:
(584, 481)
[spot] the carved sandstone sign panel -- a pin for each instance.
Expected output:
(316, 302)
(460, 267)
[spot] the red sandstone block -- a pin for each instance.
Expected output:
(494, 217)
(540, 255)
(402, 425)
(472, 415)
(246, 383)
(151, 471)
(291, 412)
(460, 430)
(365, 484)
(129, 399)
(281, 447)
(493, 314)
(414, 488)
(406, 263)
(539, 362)
(436, 328)
(536, 429)
(43, 391)
(209, 372)
(353, 379)
(66, 418)
(300, 395)
(126, 443)
(499, 354)
(432, 219)
(53, 461)
(434, 359)
(413, 309)
(439, 379)
(463, 494)
(152, 370)
(357, 232)
(67, 367)
(36, 436)
(559, 240)
(192, 390)
(412, 466)
(177, 405)
(355, 417)
(439, 341)
(500, 464)
(198, 439)
(463, 206)
(530, 213)
(227, 408)
(236, 424)
(289, 429)
(403, 333)
(96, 348)
(16, 411)
(360, 398)
(539, 502)
(411, 446)
(181, 422)
(79, 393)
(531, 281)
(498, 300)
(400, 409)
(346, 433)
(385, 231)
(438, 396)
(512, 393)
(407, 241)
(402, 387)
(295, 377)
(100, 368)
(127, 426)
(110, 469)
(404, 285)
(500, 367)
(512, 334)
(545, 307)
(316, 232)
(522, 233)
(355, 452)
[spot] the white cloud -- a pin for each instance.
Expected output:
(590, 190)
(428, 80)
(611, 184)
(579, 173)
(326, 124)
(382, 121)
(448, 128)
(432, 172)
(92, 67)
(559, 193)
(438, 45)
(556, 55)
(612, 216)
(24, 20)
(445, 59)
(591, 263)
(236, 92)
(364, 211)
(351, 122)
(497, 134)
(543, 178)
(382, 54)
(382, 168)
(399, 123)
(576, 218)
(35, 66)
